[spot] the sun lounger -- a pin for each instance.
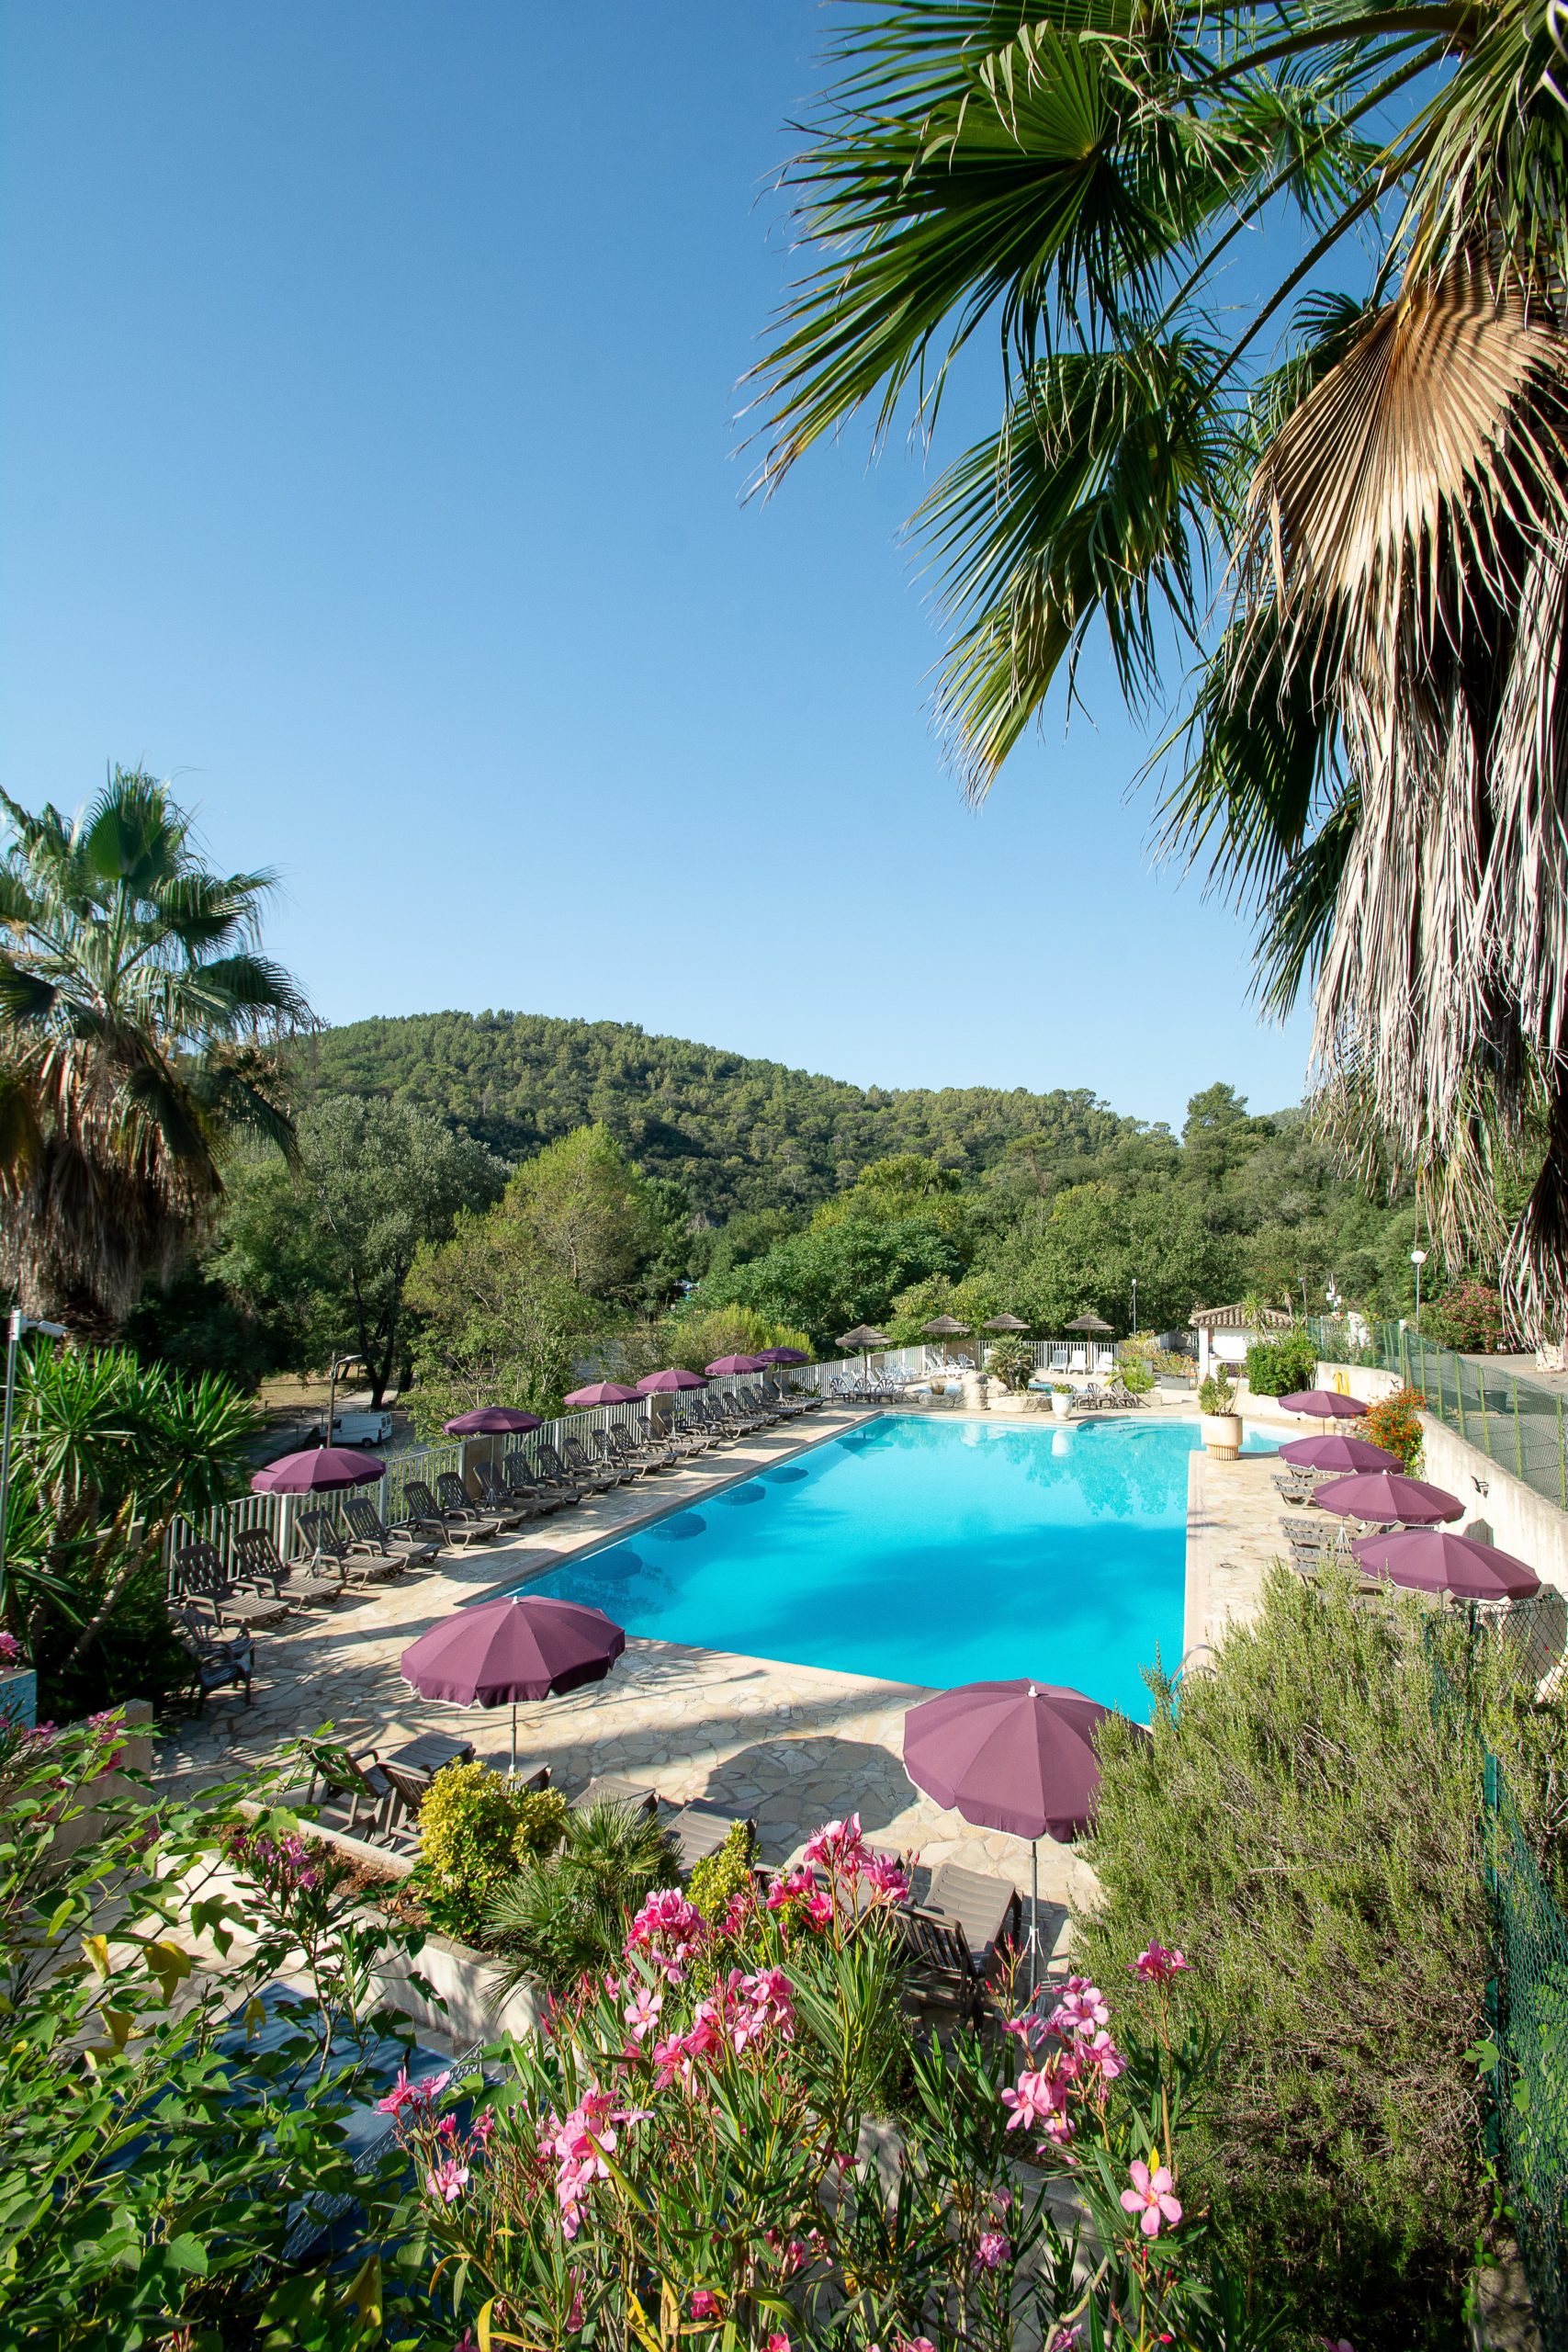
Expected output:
(426, 1511)
(701, 1829)
(329, 1544)
(498, 1499)
(524, 1484)
(348, 1784)
(940, 1949)
(988, 1910)
(201, 1579)
(257, 1556)
(608, 1788)
(590, 1472)
(369, 1534)
(552, 1468)
(215, 1664)
(458, 1506)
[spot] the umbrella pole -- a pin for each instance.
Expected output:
(514, 1770)
(1033, 1916)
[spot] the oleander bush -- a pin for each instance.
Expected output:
(1395, 1422)
(1304, 1822)
(695, 2150)
(1469, 1315)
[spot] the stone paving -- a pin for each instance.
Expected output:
(793, 1745)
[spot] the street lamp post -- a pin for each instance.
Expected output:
(1135, 1306)
(18, 1324)
(1417, 1259)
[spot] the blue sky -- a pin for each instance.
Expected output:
(370, 464)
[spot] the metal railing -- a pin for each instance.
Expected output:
(1518, 1423)
(1527, 1997)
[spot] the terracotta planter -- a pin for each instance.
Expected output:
(1221, 1435)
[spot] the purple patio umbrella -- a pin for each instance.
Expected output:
(1430, 1559)
(1338, 1452)
(1388, 1494)
(1012, 1755)
(603, 1392)
(522, 1646)
(1324, 1404)
(492, 1420)
(735, 1363)
(664, 1384)
(782, 1355)
(325, 1470)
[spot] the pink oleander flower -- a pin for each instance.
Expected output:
(10, 1651)
(447, 2180)
(778, 2341)
(484, 2124)
(1098, 2050)
(1082, 2009)
(885, 1876)
(1150, 2197)
(704, 2305)
(447, 2128)
(402, 2094)
(992, 2251)
(641, 2013)
(913, 2344)
(574, 2309)
(819, 1909)
(1039, 2099)
(790, 1886)
(672, 2061)
(1157, 1966)
(1066, 2339)
(837, 1843)
(1001, 2201)
(738, 1911)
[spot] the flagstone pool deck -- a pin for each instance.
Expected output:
(793, 1745)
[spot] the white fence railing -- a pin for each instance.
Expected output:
(280, 1514)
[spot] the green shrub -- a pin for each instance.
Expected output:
(1011, 1362)
(477, 1830)
(566, 1912)
(1135, 1371)
(1305, 1826)
(719, 1877)
(1279, 1367)
(1216, 1395)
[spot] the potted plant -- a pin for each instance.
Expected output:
(1012, 1363)
(1222, 1422)
(1061, 1398)
(19, 1686)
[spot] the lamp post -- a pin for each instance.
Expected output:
(1418, 1258)
(1135, 1306)
(18, 1324)
(340, 1363)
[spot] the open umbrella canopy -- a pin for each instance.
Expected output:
(1087, 1323)
(1324, 1404)
(782, 1355)
(863, 1336)
(1004, 1323)
(492, 1420)
(522, 1646)
(1012, 1756)
(724, 1364)
(1430, 1559)
(325, 1470)
(660, 1384)
(944, 1327)
(603, 1392)
(1388, 1494)
(1338, 1452)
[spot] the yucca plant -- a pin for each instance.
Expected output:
(1343, 505)
(136, 1024)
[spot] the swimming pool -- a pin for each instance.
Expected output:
(926, 1551)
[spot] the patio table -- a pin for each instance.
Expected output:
(429, 1752)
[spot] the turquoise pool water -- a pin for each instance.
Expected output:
(928, 1551)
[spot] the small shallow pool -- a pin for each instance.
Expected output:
(928, 1551)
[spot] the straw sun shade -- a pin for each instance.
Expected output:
(1087, 1323)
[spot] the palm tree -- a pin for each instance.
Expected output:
(1343, 508)
(136, 1026)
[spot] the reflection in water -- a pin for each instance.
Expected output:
(789, 1476)
(679, 1529)
(751, 1493)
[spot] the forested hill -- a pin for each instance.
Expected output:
(740, 1135)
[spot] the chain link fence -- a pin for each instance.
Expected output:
(1518, 1423)
(1527, 1998)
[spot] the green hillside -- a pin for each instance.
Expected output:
(740, 1135)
